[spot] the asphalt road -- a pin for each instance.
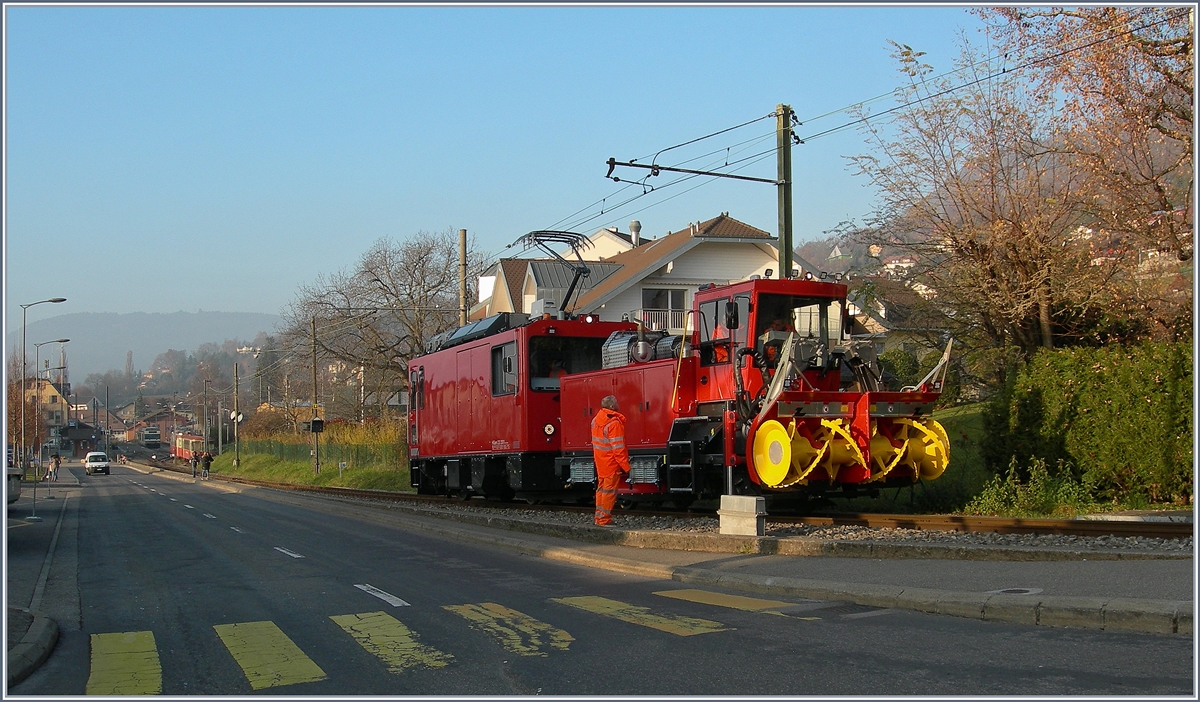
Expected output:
(168, 587)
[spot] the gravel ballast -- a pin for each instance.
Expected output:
(848, 534)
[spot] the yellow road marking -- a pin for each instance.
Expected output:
(389, 640)
(750, 604)
(125, 664)
(517, 632)
(670, 623)
(267, 656)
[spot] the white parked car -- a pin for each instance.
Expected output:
(14, 484)
(96, 462)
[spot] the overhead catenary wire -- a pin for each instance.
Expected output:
(1087, 41)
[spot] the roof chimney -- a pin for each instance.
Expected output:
(635, 232)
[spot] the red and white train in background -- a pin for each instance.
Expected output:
(184, 445)
(766, 394)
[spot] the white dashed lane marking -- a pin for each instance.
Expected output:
(237, 530)
(189, 507)
(209, 515)
(386, 597)
(287, 552)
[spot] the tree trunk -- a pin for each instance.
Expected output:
(1044, 315)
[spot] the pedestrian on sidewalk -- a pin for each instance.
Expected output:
(207, 461)
(194, 459)
(55, 462)
(612, 458)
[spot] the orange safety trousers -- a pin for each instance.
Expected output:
(606, 497)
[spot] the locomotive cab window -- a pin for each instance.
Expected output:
(504, 369)
(715, 337)
(552, 357)
(817, 319)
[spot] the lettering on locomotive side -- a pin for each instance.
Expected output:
(501, 445)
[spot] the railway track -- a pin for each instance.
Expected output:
(999, 525)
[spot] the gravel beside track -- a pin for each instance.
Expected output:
(835, 533)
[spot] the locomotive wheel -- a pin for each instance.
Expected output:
(464, 494)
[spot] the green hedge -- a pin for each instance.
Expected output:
(355, 455)
(1119, 418)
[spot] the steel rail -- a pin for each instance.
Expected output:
(932, 522)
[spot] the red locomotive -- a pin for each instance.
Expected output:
(766, 394)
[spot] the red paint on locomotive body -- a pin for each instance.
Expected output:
(768, 393)
(489, 409)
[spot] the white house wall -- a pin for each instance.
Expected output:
(720, 262)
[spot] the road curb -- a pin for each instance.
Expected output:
(34, 648)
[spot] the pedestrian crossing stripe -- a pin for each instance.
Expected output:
(124, 664)
(749, 604)
(389, 640)
(670, 623)
(267, 656)
(516, 632)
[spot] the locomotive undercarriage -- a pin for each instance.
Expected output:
(504, 477)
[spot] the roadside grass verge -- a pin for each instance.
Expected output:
(268, 468)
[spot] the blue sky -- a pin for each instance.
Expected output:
(174, 158)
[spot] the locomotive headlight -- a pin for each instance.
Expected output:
(549, 429)
(588, 319)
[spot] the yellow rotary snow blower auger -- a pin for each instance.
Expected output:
(809, 436)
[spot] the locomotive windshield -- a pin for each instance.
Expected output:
(551, 357)
(817, 318)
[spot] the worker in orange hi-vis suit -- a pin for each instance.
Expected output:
(612, 458)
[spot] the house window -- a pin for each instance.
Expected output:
(504, 369)
(663, 308)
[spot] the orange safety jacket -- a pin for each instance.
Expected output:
(608, 443)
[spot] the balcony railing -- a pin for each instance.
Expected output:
(670, 321)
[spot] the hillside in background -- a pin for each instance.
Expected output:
(100, 341)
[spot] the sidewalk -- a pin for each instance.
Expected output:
(31, 546)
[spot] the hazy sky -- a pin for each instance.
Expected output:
(174, 158)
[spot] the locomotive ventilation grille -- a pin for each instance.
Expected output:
(583, 471)
(643, 470)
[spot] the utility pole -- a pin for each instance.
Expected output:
(316, 435)
(220, 424)
(783, 157)
(237, 418)
(106, 413)
(205, 424)
(784, 139)
(462, 277)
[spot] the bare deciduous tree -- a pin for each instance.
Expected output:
(971, 184)
(373, 318)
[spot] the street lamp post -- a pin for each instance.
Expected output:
(36, 360)
(24, 361)
(37, 348)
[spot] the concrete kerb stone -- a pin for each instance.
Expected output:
(1123, 614)
(33, 649)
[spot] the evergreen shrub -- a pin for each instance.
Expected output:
(1117, 419)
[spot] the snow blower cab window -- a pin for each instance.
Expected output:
(815, 319)
(552, 357)
(716, 338)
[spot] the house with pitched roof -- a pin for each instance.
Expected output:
(656, 281)
(652, 280)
